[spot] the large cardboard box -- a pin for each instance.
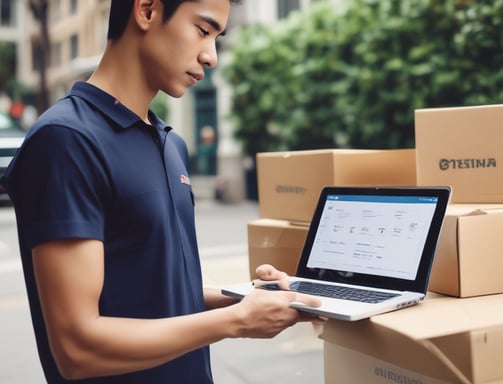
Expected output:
(461, 147)
(469, 257)
(275, 242)
(441, 340)
(289, 183)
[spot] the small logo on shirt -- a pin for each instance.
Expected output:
(184, 179)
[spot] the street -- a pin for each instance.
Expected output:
(294, 356)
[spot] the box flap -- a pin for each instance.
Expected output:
(434, 316)
(473, 209)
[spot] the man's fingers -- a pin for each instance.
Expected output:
(309, 300)
(269, 272)
(284, 283)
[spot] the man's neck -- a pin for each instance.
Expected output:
(121, 76)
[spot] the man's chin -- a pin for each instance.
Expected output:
(176, 93)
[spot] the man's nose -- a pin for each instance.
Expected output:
(209, 57)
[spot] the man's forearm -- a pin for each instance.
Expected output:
(214, 298)
(109, 346)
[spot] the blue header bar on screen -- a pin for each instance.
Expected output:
(385, 199)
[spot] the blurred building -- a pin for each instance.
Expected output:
(12, 23)
(77, 32)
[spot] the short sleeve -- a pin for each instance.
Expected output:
(59, 186)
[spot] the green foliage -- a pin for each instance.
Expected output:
(7, 64)
(352, 74)
(159, 105)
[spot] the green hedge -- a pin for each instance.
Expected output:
(352, 74)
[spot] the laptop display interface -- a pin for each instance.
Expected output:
(372, 234)
(378, 237)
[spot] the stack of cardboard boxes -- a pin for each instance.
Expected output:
(463, 147)
(456, 334)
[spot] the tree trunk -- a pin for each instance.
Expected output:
(40, 10)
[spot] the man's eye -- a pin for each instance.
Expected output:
(203, 31)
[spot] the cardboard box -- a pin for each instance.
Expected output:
(441, 340)
(469, 258)
(289, 183)
(275, 242)
(461, 147)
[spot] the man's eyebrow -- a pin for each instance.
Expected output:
(215, 24)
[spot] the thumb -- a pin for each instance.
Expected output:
(269, 272)
(309, 300)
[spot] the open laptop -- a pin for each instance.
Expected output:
(373, 245)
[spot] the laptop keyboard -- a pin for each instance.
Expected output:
(339, 292)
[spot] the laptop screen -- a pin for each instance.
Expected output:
(376, 235)
(382, 237)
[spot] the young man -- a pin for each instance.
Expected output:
(105, 215)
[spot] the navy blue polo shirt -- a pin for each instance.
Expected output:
(90, 168)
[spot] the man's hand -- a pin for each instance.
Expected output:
(282, 299)
(265, 313)
(269, 272)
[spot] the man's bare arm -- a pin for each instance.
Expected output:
(69, 276)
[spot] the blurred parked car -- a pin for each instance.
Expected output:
(11, 138)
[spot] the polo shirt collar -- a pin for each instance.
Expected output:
(112, 107)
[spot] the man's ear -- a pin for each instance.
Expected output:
(143, 12)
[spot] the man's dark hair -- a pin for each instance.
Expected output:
(120, 11)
